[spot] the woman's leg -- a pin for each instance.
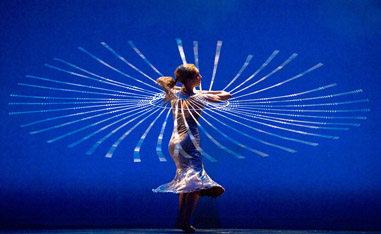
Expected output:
(187, 204)
(190, 205)
(181, 218)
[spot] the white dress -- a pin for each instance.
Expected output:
(185, 151)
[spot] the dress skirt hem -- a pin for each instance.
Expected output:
(190, 180)
(214, 191)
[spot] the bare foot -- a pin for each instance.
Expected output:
(185, 228)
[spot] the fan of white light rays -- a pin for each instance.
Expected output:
(104, 108)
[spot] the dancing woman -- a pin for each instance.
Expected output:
(191, 180)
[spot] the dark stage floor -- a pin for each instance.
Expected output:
(162, 231)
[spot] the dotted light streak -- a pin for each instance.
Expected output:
(143, 137)
(305, 105)
(193, 139)
(195, 52)
(101, 78)
(260, 130)
(175, 132)
(62, 109)
(70, 115)
(117, 142)
(66, 98)
(309, 116)
(268, 75)
(71, 90)
(78, 120)
(143, 57)
(235, 154)
(159, 150)
(248, 59)
(283, 82)
(125, 61)
(65, 103)
(216, 59)
(259, 69)
(249, 136)
(310, 122)
(181, 50)
(304, 110)
(308, 99)
(85, 86)
(115, 69)
(86, 127)
(143, 109)
(291, 95)
(250, 114)
(178, 147)
(288, 123)
(100, 141)
(286, 129)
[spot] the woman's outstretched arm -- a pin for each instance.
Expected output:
(216, 96)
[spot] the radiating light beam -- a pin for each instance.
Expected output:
(143, 57)
(65, 103)
(138, 146)
(115, 69)
(72, 90)
(250, 114)
(309, 116)
(194, 142)
(304, 105)
(181, 50)
(216, 59)
(144, 109)
(266, 76)
(283, 82)
(259, 69)
(78, 120)
(195, 51)
(159, 150)
(231, 139)
(70, 115)
(255, 116)
(306, 99)
(251, 137)
(285, 129)
(291, 95)
(86, 127)
(62, 109)
(304, 110)
(117, 142)
(248, 59)
(178, 148)
(263, 131)
(84, 86)
(125, 61)
(196, 63)
(235, 154)
(67, 98)
(101, 78)
(100, 141)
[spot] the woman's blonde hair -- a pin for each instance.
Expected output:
(183, 73)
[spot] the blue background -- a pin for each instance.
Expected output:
(333, 186)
